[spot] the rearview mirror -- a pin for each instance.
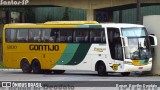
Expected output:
(153, 40)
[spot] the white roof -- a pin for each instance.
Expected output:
(120, 25)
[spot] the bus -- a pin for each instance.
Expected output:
(56, 46)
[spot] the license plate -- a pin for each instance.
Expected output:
(140, 67)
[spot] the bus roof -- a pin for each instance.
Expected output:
(71, 22)
(120, 25)
(52, 24)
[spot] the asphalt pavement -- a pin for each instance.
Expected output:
(18, 75)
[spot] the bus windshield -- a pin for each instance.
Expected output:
(138, 44)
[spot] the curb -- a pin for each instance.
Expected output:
(10, 69)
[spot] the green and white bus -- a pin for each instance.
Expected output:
(78, 45)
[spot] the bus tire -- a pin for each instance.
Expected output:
(125, 73)
(25, 66)
(36, 66)
(58, 71)
(101, 69)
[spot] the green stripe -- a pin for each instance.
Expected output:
(68, 54)
(80, 54)
(95, 26)
(82, 26)
(146, 61)
(89, 26)
(143, 61)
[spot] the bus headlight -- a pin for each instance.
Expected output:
(128, 62)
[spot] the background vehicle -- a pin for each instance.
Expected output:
(77, 45)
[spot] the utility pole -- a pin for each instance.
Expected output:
(8, 16)
(138, 21)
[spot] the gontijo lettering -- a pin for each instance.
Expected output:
(44, 47)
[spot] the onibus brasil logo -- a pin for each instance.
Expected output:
(20, 84)
(14, 2)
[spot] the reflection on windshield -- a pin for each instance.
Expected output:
(133, 32)
(138, 44)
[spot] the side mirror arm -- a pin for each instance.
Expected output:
(154, 41)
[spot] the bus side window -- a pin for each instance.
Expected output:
(30, 39)
(55, 35)
(11, 35)
(86, 36)
(51, 39)
(78, 35)
(8, 35)
(46, 35)
(63, 35)
(95, 36)
(81, 35)
(69, 39)
(58, 36)
(66, 35)
(22, 35)
(91, 36)
(35, 35)
(103, 37)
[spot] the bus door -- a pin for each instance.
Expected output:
(116, 51)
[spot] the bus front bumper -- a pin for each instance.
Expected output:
(133, 68)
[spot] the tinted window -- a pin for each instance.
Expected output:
(81, 36)
(11, 35)
(66, 35)
(55, 35)
(97, 36)
(22, 35)
(35, 35)
(115, 45)
(46, 35)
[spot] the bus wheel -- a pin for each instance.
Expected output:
(58, 71)
(36, 67)
(25, 66)
(101, 69)
(125, 73)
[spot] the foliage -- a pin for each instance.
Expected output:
(1, 65)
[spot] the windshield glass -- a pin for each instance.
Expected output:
(138, 44)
